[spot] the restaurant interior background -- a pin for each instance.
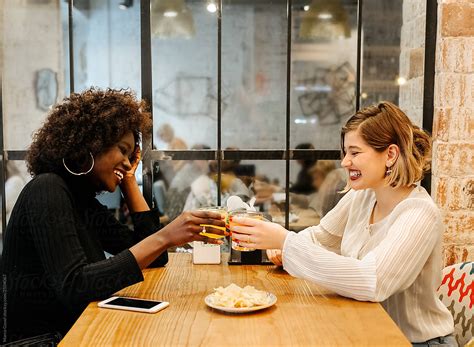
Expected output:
(249, 89)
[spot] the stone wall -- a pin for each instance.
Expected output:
(453, 130)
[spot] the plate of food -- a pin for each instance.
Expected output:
(235, 299)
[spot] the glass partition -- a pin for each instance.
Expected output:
(270, 81)
(184, 74)
(32, 73)
(316, 187)
(106, 39)
(194, 185)
(254, 46)
(323, 71)
(381, 52)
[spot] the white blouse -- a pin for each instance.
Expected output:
(396, 261)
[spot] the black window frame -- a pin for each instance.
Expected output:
(220, 154)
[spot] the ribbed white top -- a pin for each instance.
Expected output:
(396, 261)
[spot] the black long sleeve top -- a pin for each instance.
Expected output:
(53, 258)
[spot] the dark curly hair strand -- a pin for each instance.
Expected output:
(91, 121)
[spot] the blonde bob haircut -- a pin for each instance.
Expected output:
(385, 124)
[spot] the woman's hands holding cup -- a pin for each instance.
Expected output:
(186, 228)
(254, 233)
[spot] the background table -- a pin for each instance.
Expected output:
(306, 218)
(304, 314)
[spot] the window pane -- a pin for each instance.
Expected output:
(393, 60)
(269, 187)
(193, 184)
(254, 44)
(106, 45)
(381, 51)
(32, 73)
(323, 75)
(412, 55)
(319, 184)
(184, 61)
(188, 187)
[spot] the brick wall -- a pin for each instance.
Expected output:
(453, 129)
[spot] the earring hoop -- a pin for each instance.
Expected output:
(80, 173)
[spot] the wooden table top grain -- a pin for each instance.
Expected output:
(304, 315)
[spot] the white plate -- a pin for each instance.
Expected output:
(272, 299)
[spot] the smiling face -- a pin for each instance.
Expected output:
(366, 167)
(112, 164)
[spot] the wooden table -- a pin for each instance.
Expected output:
(304, 314)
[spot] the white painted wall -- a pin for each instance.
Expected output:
(32, 40)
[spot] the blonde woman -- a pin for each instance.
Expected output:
(382, 241)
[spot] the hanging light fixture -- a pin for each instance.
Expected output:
(211, 6)
(325, 19)
(171, 19)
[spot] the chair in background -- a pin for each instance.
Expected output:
(159, 193)
(457, 293)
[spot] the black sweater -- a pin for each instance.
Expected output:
(53, 258)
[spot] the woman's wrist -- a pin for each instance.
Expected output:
(128, 181)
(132, 194)
(129, 185)
(283, 233)
(162, 240)
(150, 248)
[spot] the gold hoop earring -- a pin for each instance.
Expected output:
(80, 173)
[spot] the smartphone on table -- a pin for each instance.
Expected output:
(133, 304)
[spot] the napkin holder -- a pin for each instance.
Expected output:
(206, 253)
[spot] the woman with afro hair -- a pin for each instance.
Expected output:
(53, 259)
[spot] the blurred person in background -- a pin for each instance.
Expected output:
(16, 180)
(330, 192)
(164, 171)
(169, 168)
(318, 173)
(329, 183)
(180, 186)
(303, 184)
(204, 189)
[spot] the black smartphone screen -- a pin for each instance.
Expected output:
(134, 303)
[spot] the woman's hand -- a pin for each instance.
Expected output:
(134, 161)
(254, 233)
(274, 255)
(129, 186)
(186, 228)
